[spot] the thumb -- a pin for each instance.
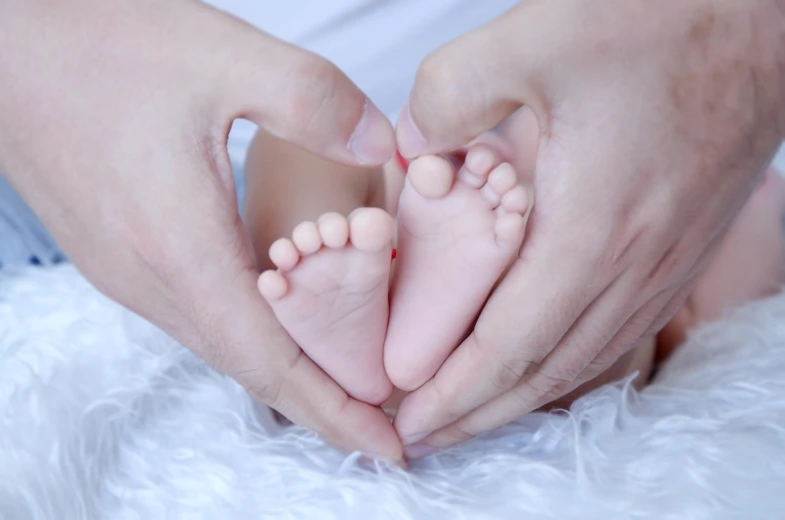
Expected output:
(301, 98)
(473, 83)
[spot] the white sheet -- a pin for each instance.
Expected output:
(105, 417)
(379, 44)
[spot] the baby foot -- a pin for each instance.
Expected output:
(457, 233)
(330, 294)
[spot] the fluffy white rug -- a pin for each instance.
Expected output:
(103, 416)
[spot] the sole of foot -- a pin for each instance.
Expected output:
(457, 233)
(330, 293)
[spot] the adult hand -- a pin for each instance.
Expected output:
(655, 121)
(113, 125)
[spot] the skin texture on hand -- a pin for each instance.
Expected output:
(655, 121)
(113, 125)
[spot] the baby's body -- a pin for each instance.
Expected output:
(374, 324)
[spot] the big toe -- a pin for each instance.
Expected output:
(431, 176)
(371, 229)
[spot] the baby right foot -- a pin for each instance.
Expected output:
(330, 294)
(457, 233)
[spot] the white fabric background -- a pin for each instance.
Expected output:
(104, 417)
(378, 43)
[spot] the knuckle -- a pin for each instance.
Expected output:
(620, 238)
(621, 245)
(446, 402)
(662, 273)
(436, 70)
(508, 374)
(456, 434)
(525, 396)
(566, 374)
(665, 267)
(510, 365)
(310, 100)
(252, 370)
(545, 387)
(676, 303)
(628, 234)
(600, 364)
(439, 87)
(270, 387)
(265, 386)
(610, 354)
(268, 393)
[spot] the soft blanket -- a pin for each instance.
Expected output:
(105, 417)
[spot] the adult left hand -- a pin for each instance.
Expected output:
(655, 120)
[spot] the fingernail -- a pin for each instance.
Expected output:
(373, 141)
(418, 451)
(411, 142)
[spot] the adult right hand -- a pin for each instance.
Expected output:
(113, 125)
(656, 120)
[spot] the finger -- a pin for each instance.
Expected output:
(680, 314)
(300, 97)
(547, 351)
(558, 372)
(593, 305)
(495, 356)
(638, 330)
(228, 323)
(471, 84)
(651, 318)
(508, 383)
(621, 342)
(540, 386)
(521, 130)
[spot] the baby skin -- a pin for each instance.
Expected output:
(330, 282)
(374, 324)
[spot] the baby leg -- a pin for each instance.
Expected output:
(329, 288)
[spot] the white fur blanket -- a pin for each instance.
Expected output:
(103, 416)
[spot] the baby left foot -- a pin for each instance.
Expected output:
(330, 294)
